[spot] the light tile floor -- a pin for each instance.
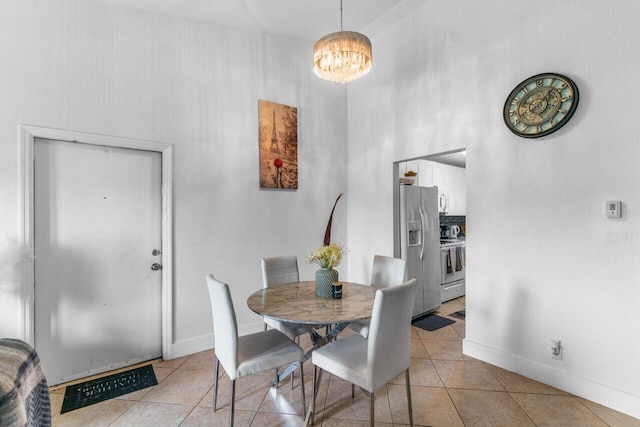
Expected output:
(447, 387)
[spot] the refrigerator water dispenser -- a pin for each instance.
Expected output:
(413, 229)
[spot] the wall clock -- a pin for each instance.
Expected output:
(540, 105)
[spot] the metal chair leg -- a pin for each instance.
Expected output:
(232, 403)
(293, 372)
(215, 385)
(372, 410)
(409, 408)
(313, 397)
(304, 400)
(277, 378)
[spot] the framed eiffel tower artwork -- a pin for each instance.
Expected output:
(278, 145)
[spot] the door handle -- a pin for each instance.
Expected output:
(424, 223)
(156, 252)
(156, 266)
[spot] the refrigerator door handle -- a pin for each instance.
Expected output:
(425, 229)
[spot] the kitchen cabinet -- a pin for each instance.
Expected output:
(453, 181)
(450, 180)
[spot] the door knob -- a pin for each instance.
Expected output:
(156, 252)
(156, 266)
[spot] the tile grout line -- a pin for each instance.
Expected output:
(589, 409)
(509, 393)
(446, 388)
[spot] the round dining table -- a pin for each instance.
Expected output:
(297, 302)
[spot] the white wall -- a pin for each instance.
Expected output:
(85, 67)
(542, 260)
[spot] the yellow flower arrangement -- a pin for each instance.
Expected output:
(327, 256)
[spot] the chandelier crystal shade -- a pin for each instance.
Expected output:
(343, 56)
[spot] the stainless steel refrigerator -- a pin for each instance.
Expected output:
(420, 243)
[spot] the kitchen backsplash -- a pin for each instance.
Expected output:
(452, 219)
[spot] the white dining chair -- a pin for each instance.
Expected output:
(277, 271)
(372, 362)
(248, 354)
(386, 271)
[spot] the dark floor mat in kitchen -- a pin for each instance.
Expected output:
(89, 392)
(459, 314)
(432, 322)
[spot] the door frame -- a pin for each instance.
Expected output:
(396, 192)
(27, 136)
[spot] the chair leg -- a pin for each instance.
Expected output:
(293, 372)
(304, 400)
(215, 385)
(232, 401)
(353, 391)
(409, 407)
(276, 376)
(313, 396)
(372, 409)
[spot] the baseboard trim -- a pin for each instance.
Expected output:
(558, 378)
(205, 342)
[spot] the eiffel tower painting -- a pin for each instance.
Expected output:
(278, 133)
(274, 136)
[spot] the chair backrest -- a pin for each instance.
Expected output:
(388, 271)
(389, 352)
(279, 270)
(225, 328)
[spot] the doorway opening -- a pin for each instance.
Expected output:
(442, 252)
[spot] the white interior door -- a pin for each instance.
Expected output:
(98, 217)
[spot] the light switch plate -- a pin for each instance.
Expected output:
(613, 209)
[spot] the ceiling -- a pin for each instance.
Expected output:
(458, 159)
(307, 19)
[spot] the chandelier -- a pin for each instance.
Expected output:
(343, 56)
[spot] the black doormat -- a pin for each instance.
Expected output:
(432, 322)
(94, 391)
(459, 314)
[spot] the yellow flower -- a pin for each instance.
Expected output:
(327, 256)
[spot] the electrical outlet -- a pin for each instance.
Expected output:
(556, 349)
